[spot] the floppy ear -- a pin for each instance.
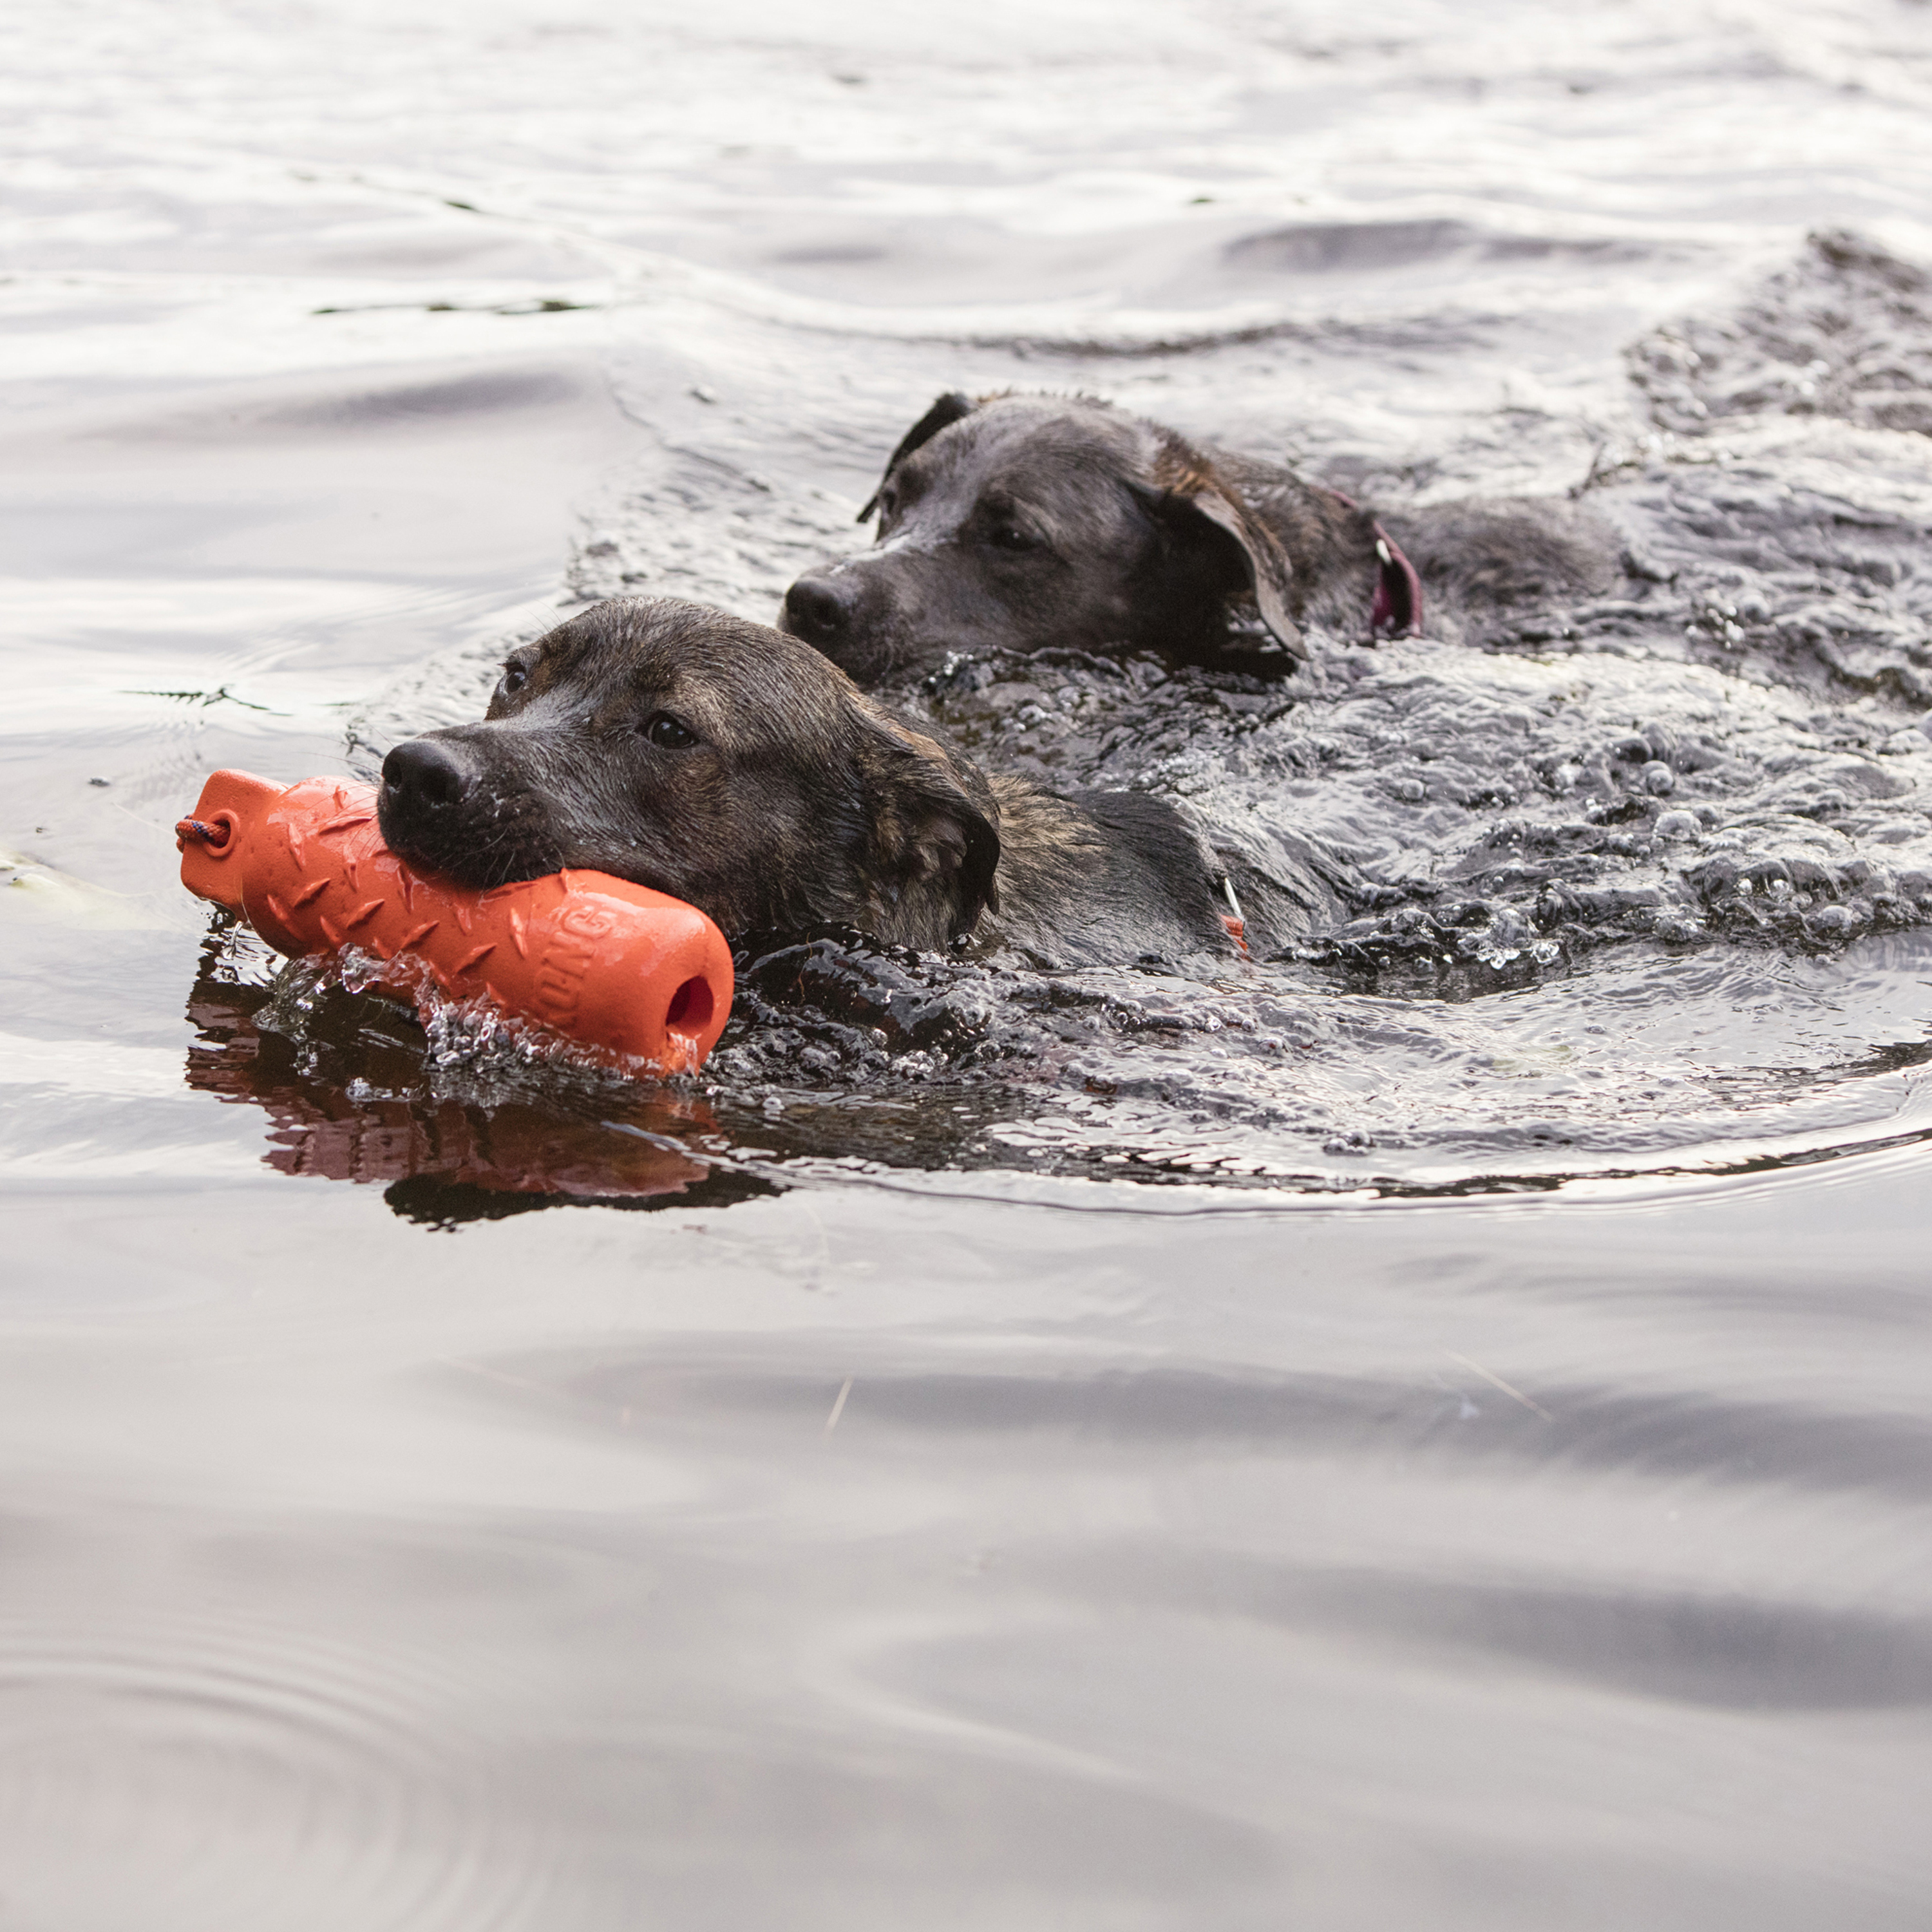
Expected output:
(945, 411)
(1199, 509)
(936, 845)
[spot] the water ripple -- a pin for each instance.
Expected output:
(228, 1775)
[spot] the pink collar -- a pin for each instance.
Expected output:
(1396, 611)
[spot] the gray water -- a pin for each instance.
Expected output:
(1429, 1429)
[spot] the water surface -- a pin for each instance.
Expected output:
(1427, 1428)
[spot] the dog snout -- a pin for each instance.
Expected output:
(820, 609)
(423, 776)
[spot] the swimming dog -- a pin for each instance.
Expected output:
(1020, 522)
(740, 770)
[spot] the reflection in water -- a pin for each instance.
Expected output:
(352, 1096)
(846, 1060)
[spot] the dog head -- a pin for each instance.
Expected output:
(712, 759)
(1020, 522)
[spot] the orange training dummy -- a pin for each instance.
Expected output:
(616, 966)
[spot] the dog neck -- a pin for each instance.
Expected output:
(1101, 878)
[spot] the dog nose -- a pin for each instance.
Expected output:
(818, 609)
(423, 774)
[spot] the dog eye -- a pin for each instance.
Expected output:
(661, 728)
(1010, 536)
(514, 678)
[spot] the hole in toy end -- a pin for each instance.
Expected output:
(689, 1012)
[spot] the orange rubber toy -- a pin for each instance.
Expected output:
(637, 975)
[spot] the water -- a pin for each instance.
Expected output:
(1426, 1428)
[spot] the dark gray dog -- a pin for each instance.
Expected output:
(732, 766)
(1019, 523)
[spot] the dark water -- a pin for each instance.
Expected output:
(1429, 1428)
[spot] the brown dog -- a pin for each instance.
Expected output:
(1020, 523)
(737, 770)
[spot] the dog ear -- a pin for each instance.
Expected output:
(935, 839)
(945, 410)
(1195, 505)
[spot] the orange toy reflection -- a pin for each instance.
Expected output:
(348, 1103)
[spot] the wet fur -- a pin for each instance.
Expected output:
(801, 803)
(1018, 522)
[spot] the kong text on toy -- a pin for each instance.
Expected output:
(630, 972)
